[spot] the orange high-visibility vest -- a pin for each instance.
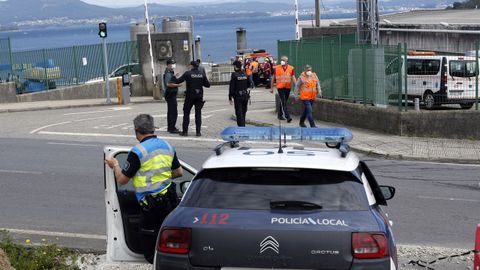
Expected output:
(248, 69)
(283, 77)
(308, 88)
(254, 66)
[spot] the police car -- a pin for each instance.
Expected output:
(273, 208)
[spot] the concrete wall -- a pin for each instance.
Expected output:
(454, 124)
(8, 92)
(84, 91)
(431, 40)
(181, 56)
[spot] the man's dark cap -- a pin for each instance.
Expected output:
(237, 64)
(194, 63)
(170, 62)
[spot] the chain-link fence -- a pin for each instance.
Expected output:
(378, 74)
(40, 70)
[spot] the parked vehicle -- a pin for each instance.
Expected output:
(437, 79)
(265, 208)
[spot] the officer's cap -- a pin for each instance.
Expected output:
(170, 62)
(194, 63)
(237, 64)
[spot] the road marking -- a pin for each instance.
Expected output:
(448, 199)
(20, 172)
(100, 111)
(52, 125)
(57, 234)
(74, 144)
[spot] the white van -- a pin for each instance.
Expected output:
(439, 79)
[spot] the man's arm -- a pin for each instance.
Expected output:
(231, 88)
(181, 79)
(206, 83)
(121, 178)
(294, 80)
(178, 172)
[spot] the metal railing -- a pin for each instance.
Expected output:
(39, 70)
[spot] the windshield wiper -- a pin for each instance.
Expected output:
(294, 205)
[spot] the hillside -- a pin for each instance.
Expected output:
(49, 12)
(466, 4)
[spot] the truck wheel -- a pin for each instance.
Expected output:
(429, 100)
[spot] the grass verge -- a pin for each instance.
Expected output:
(46, 256)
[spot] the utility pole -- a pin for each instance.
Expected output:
(297, 26)
(317, 13)
(147, 21)
(367, 21)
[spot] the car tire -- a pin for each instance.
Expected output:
(466, 106)
(429, 100)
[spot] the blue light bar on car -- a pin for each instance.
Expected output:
(326, 135)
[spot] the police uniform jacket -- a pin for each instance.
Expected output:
(238, 85)
(195, 79)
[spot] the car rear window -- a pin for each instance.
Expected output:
(255, 188)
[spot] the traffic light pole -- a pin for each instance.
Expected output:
(105, 70)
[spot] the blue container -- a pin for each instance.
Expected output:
(35, 86)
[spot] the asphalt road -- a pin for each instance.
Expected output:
(51, 183)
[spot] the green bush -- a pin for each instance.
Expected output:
(44, 257)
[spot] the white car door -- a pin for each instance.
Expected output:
(123, 211)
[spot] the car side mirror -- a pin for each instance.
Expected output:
(388, 192)
(184, 186)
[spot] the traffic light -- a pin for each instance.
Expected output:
(102, 29)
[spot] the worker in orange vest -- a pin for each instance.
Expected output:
(282, 78)
(248, 71)
(307, 88)
(255, 69)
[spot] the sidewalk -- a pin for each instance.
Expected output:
(365, 141)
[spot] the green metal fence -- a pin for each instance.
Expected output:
(380, 75)
(40, 70)
(348, 71)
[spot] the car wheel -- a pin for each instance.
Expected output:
(466, 106)
(429, 100)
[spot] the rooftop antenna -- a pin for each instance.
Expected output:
(280, 150)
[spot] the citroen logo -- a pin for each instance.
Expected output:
(269, 243)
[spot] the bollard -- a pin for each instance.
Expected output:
(119, 93)
(417, 104)
(476, 261)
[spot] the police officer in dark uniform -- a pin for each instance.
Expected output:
(196, 80)
(171, 90)
(239, 84)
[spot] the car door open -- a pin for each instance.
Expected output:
(123, 210)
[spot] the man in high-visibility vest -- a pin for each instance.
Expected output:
(151, 164)
(282, 78)
(307, 88)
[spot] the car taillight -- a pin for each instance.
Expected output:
(174, 240)
(369, 245)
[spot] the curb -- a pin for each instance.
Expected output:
(387, 156)
(59, 107)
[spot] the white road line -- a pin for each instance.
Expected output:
(56, 234)
(448, 199)
(100, 111)
(52, 125)
(445, 163)
(115, 126)
(19, 172)
(74, 144)
(85, 134)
